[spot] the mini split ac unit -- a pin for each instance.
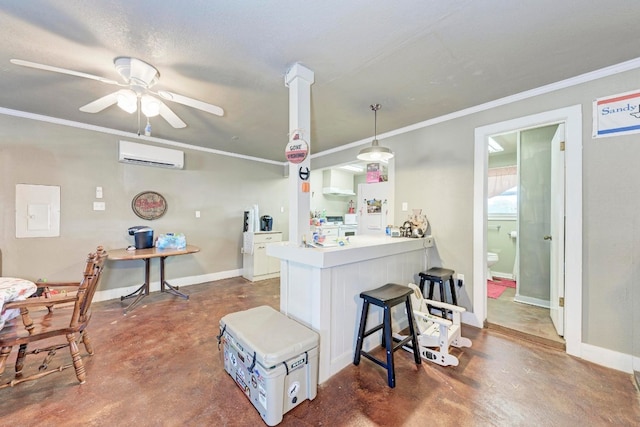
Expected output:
(148, 155)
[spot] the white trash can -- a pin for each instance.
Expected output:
(273, 359)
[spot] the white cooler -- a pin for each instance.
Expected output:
(273, 359)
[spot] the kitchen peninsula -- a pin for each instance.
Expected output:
(320, 287)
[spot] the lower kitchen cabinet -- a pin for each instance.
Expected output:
(257, 265)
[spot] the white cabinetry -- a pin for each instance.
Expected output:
(257, 265)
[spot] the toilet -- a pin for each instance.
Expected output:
(492, 258)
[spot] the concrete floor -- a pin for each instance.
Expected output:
(160, 366)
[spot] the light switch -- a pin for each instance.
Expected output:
(197, 214)
(98, 192)
(405, 206)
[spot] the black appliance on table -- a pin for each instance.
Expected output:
(142, 235)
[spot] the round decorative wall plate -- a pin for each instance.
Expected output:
(149, 205)
(296, 150)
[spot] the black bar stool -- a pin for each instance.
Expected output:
(386, 297)
(440, 276)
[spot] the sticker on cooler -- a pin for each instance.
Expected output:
(293, 389)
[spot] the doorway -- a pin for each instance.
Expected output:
(572, 118)
(525, 182)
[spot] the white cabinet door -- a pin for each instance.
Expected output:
(257, 264)
(260, 260)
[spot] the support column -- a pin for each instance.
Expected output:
(299, 80)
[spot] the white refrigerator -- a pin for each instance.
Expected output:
(374, 207)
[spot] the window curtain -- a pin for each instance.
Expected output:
(501, 179)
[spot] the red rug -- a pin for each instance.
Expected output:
(495, 288)
(504, 282)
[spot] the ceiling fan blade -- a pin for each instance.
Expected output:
(171, 117)
(190, 102)
(63, 71)
(100, 103)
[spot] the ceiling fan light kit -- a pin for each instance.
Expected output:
(375, 152)
(150, 106)
(136, 72)
(127, 100)
(136, 93)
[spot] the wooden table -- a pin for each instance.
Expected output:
(146, 255)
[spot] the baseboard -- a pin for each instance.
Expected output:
(502, 275)
(532, 301)
(598, 355)
(109, 294)
(609, 358)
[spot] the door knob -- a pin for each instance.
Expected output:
(547, 237)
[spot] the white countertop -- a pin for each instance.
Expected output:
(359, 248)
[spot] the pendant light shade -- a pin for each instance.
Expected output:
(375, 152)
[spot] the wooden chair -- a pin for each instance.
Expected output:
(66, 315)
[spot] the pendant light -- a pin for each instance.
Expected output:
(375, 152)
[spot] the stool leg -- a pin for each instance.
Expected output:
(452, 285)
(391, 373)
(422, 280)
(430, 289)
(412, 331)
(443, 297)
(363, 323)
(430, 297)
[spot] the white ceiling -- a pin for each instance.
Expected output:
(419, 59)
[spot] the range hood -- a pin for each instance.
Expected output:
(337, 183)
(335, 191)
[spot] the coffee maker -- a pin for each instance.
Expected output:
(266, 223)
(142, 235)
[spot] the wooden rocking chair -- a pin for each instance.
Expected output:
(66, 315)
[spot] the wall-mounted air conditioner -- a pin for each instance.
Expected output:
(149, 155)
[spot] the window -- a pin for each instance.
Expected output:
(504, 204)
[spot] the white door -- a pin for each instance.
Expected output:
(557, 235)
(573, 224)
(541, 213)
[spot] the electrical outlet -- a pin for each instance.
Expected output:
(460, 279)
(99, 206)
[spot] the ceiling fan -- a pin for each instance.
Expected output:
(135, 93)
